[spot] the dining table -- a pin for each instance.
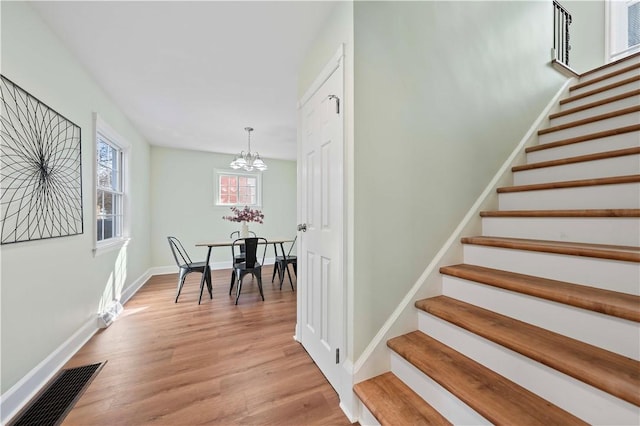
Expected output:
(277, 242)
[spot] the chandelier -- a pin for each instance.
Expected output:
(247, 160)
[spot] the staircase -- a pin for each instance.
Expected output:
(540, 324)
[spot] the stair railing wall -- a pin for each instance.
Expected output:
(561, 38)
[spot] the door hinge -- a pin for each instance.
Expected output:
(337, 102)
(337, 356)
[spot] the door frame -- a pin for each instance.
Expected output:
(335, 64)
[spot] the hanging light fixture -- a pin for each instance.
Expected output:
(247, 160)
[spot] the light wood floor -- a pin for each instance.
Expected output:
(217, 363)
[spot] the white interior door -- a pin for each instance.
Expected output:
(321, 286)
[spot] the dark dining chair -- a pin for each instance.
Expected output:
(282, 264)
(187, 266)
(250, 264)
(237, 257)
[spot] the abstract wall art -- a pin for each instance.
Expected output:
(40, 169)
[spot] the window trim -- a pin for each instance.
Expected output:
(614, 34)
(114, 243)
(216, 187)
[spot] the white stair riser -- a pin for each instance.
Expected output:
(623, 231)
(586, 326)
(606, 82)
(608, 167)
(366, 418)
(610, 143)
(595, 111)
(585, 129)
(448, 405)
(584, 401)
(601, 273)
(618, 196)
(612, 68)
(625, 88)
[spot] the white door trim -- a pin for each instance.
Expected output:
(334, 63)
(333, 68)
(326, 72)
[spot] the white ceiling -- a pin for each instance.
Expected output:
(193, 75)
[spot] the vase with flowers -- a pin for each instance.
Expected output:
(244, 216)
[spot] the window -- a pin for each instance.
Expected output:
(633, 23)
(624, 28)
(111, 152)
(238, 189)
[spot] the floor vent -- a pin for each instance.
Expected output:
(54, 402)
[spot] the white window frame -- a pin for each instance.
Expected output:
(616, 30)
(218, 173)
(124, 147)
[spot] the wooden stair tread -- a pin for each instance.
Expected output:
(600, 89)
(584, 138)
(594, 104)
(493, 396)
(620, 305)
(609, 65)
(579, 159)
(571, 184)
(607, 371)
(563, 213)
(588, 120)
(604, 77)
(601, 251)
(394, 403)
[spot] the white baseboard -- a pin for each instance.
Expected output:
(19, 394)
(133, 288)
(349, 403)
(26, 388)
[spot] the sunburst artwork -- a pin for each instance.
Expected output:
(40, 169)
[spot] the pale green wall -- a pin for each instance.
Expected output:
(51, 288)
(182, 203)
(443, 93)
(587, 33)
(338, 29)
(449, 86)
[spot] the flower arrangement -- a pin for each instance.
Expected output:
(245, 215)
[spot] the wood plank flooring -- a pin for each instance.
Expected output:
(214, 363)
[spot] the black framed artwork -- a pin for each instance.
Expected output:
(40, 169)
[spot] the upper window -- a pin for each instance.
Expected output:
(237, 189)
(633, 23)
(110, 188)
(624, 28)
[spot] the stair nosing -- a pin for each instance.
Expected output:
(599, 251)
(470, 391)
(607, 302)
(578, 159)
(594, 104)
(584, 138)
(596, 213)
(572, 357)
(609, 65)
(361, 390)
(604, 77)
(589, 120)
(612, 180)
(599, 90)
